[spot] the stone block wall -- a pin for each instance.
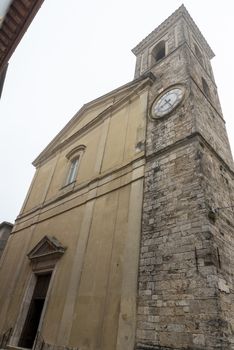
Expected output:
(177, 301)
(217, 182)
(185, 292)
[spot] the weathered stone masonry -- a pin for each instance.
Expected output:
(180, 267)
(185, 298)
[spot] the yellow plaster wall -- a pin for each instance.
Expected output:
(86, 166)
(108, 146)
(65, 228)
(127, 128)
(136, 126)
(15, 269)
(97, 307)
(87, 117)
(93, 321)
(115, 143)
(91, 285)
(42, 181)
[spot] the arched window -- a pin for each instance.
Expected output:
(205, 88)
(198, 53)
(159, 51)
(74, 158)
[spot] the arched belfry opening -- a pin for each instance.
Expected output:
(159, 51)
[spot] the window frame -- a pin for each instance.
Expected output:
(73, 170)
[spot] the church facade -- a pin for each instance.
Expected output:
(125, 239)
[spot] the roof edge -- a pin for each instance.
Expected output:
(86, 106)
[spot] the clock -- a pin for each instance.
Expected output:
(167, 101)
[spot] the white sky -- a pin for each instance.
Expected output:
(75, 51)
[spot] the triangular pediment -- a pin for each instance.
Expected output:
(48, 247)
(90, 114)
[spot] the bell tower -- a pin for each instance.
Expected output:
(185, 283)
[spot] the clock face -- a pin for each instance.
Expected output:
(167, 102)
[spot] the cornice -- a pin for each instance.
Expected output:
(179, 13)
(55, 146)
(187, 140)
(199, 34)
(82, 193)
(17, 20)
(87, 106)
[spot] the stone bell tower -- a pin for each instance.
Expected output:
(185, 291)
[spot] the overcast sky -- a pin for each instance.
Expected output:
(75, 51)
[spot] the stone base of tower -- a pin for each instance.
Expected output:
(153, 347)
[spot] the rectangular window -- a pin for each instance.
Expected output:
(72, 171)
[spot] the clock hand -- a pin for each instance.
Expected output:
(168, 102)
(162, 106)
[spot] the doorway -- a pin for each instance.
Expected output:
(32, 321)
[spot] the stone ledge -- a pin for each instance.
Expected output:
(159, 347)
(153, 347)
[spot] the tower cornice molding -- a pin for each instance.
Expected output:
(187, 140)
(180, 12)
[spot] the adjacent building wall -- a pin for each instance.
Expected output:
(5, 231)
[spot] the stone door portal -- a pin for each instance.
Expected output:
(34, 313)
